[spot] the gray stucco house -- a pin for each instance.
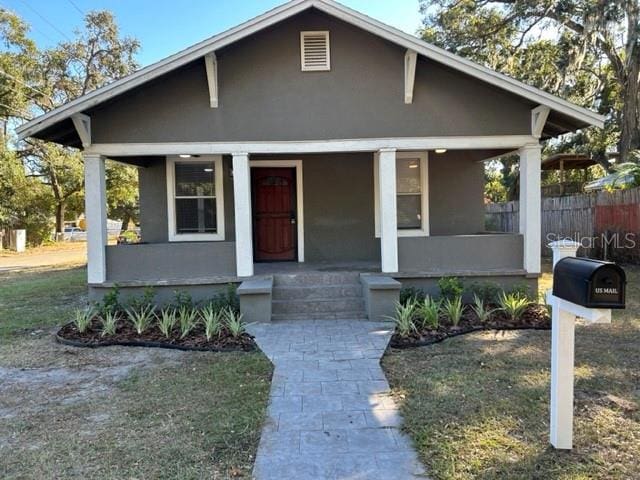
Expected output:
(317, 147)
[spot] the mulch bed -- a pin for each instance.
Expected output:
(127, 336)
(534, 318)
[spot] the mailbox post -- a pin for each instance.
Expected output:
(582, 288)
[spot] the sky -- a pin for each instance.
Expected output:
(168, 26)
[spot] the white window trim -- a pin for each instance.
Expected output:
(304, 68)
(297, 164)
(171, 209)
(423, 231)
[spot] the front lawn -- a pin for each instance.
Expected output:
(117, 412)
(477, 406)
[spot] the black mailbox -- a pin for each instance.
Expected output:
(590, 283)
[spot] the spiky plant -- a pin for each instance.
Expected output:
(513, 304)
(213, 321)
(453, 309)
(233, 322)
(404, 318)
(82, 318)
(109, 323)
(167, 321)
(140, 317)
(481, 309)
(428, 312)
(188, 319)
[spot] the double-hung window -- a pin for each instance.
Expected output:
(412, 201)
(195, 198)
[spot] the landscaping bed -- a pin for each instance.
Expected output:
(213, 325)
(126, 335)
(421, 319)
(535, 317)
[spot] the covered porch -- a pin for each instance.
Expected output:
(353, 208)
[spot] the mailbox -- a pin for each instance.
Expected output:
(590, 283)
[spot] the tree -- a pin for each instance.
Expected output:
(593, 59)
(122, 193)
(97, 56)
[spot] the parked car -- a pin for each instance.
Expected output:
(74, 234)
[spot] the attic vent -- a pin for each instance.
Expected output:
(314, 51)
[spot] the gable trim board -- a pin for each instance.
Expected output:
(288, 10)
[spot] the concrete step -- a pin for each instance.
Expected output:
(325, 305)
(317, 292)
(316, 279)
(355, 315)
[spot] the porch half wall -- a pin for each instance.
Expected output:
(460, 253)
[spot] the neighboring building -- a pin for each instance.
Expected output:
(563, 162)
(311, 134)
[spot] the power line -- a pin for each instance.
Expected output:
(23, 83)
(46, 20)
(24, 115)
(74, 5)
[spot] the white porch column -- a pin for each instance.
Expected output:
(95, 194)
(388, 209)
(242, 206)
(530, 205)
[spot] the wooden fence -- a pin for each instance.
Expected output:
(607, 224)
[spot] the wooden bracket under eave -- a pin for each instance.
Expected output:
(211, 64)
(82, 123)
(539, 119)
(410, 59)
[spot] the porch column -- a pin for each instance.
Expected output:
(95, 197)
(530, 205)
(388, 215)
(242, 206)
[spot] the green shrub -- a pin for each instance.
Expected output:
(428, 312)
(140, 317)
(523, 290)
(82, 319)
(213, 320)
(488, 292)
(453, 309)
(182, 299)
(404, 318)
(228, 299)
(110, 301)
(450, 287)
(109, 323)
(408, 294)
(233, 323)
(146, 300)
(481, 309)
(188, 319)
(513, 304)
(167, 321)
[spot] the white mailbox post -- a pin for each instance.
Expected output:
(563, 318)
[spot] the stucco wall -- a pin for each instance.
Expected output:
(170, 261)
(265, 96)
(463, 252)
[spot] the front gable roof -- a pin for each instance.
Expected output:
(580, 116)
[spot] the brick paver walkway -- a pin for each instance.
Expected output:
(330, 415)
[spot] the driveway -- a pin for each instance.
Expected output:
(46, 256)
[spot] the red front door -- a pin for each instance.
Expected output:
(274, 213)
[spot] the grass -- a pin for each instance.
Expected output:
(40, 298)
(117, 412)
(477, 406)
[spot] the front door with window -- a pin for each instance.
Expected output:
(274, 214)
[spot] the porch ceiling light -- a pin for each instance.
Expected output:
(441, 150)
(208, 170)
(184, 156)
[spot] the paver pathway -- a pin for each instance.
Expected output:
(330, 415)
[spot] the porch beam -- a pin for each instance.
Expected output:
(242, 207)
(410, 60)
(314, 146)
(530, 205)
(388, 210)
(211, 65)
(96, 217)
